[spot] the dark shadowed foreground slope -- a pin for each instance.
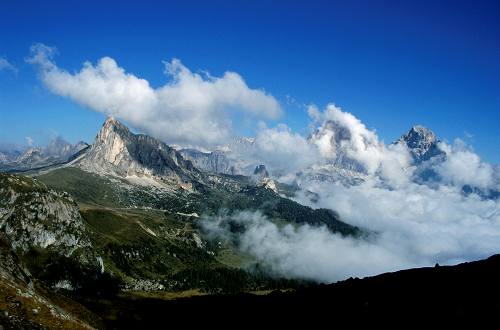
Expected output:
(451, 294)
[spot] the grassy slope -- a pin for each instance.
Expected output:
(140, 234)
(92, 189)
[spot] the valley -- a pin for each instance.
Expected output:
(125, 228)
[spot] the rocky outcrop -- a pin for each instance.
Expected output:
(32, 216)
(46, 227)
(117, 151)
(421, 143)
(214, 161)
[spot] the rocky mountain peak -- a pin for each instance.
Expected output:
(421, 143)
(110, 126)
(118, 151)
(110, 143)
(419, 135)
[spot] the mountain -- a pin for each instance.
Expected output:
(63, 150)
(261, 176)
(43, 223)
(139, 157)
(143, 160)
(9, 155)
(139, 197)
(58, 151)
(421, 143)
(234, 158)
(331, 173)
(214, 161)
(330, 139)
(121, 227)
(127, 214)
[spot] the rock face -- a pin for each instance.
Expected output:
(421, 143)
(119, 152)
(331, 173)
(234, 158)
(214, 162)
(261, 176)
(261, 171)
(32, 216)
(10, 265)
(45, 228)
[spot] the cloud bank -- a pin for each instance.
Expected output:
(304, 252)
(190, 108)
(417, 222)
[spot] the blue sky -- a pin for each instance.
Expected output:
(391, 64)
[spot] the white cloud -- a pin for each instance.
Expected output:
(6, 65)
(420, 224)
(464, 167)
(343, 138)
(190, 108)
(314, 113)
(305, 251)
(283, 150)
(416, 224)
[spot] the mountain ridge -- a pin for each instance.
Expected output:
(116, 150)
(421, 142)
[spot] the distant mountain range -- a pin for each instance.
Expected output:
(58, 151)
(126, 215)
(148, 161)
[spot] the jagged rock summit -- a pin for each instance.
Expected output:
(118, 151)
(421, 143)
(261, 171)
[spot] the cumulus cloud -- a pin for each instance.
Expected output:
(415, 222)
(342, 135)
(414, 227)
(190, 108)
(422, 225)
(464, 167)
(6, 65)
(283, 150)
